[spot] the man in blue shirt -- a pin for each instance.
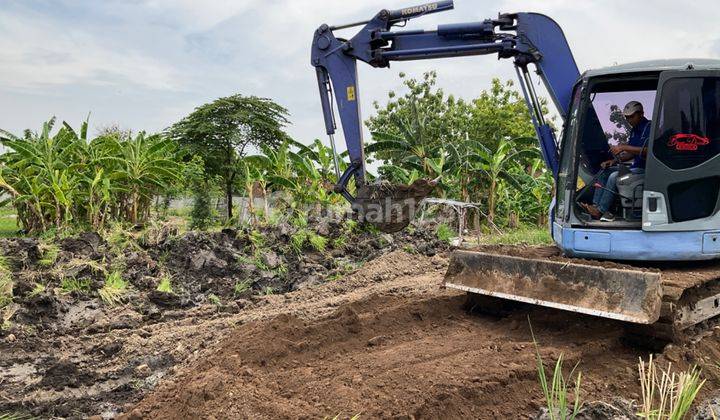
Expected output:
(635, 150)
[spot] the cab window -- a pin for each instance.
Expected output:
(688, 127)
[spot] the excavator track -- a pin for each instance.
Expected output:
(691, 299)
(659, 302)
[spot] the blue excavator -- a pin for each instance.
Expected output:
(655, 265)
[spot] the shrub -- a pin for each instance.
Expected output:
(201, 214)
(444, 232)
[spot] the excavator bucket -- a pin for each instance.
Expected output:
(631, 295)
(391, 207)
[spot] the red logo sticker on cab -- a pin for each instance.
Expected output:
(687, 142)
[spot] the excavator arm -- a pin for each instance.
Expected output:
(526, 38)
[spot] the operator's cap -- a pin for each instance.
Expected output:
(631, 108)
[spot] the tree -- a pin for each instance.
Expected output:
(481, 148)
(222, 131)
(494, 165)
(498, 113)
(410, 130)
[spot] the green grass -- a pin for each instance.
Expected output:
(50, 254)
(37, 290)
(244, 259)
(120, 238)
(524, 235)
(340, 242)
(297, 240)
(5, 263)
(73, 285)
(556, 390)
(6, 288)
(180, 212)
(257, 239)
(300, 221)
(165, 285)
(318, 242)
(114, 289)
(214, 299)
(8, 222)
(242, 287)
(666, 394)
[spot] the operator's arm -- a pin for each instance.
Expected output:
(632, 150)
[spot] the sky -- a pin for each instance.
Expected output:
(145, 64)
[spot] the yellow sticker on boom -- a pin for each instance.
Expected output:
(351, 93)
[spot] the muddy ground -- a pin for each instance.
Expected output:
(381, 340)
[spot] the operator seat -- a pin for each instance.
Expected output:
(630, 190)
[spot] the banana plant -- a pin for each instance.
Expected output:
(480, 166)
(147, 168)
(66, 179)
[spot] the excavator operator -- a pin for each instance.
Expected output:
(635, 150)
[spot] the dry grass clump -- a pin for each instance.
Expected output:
(666, 394)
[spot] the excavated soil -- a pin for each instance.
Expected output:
(389, 343)
(384, 342)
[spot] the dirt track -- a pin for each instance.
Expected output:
(388, 342)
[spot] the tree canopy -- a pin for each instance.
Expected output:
(480, 149)
(222, 131)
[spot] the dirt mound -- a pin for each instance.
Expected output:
(56, 286)
(387, 356)
(405, 352)
(67, 352)
(383, 340)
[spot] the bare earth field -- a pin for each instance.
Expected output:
(385, 341)
(388, 342)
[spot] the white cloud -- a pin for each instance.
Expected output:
(145, 63)
(38, 54)
(195, 15)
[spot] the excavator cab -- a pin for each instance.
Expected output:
(597, 123)
(668, 216)
(664, 213)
